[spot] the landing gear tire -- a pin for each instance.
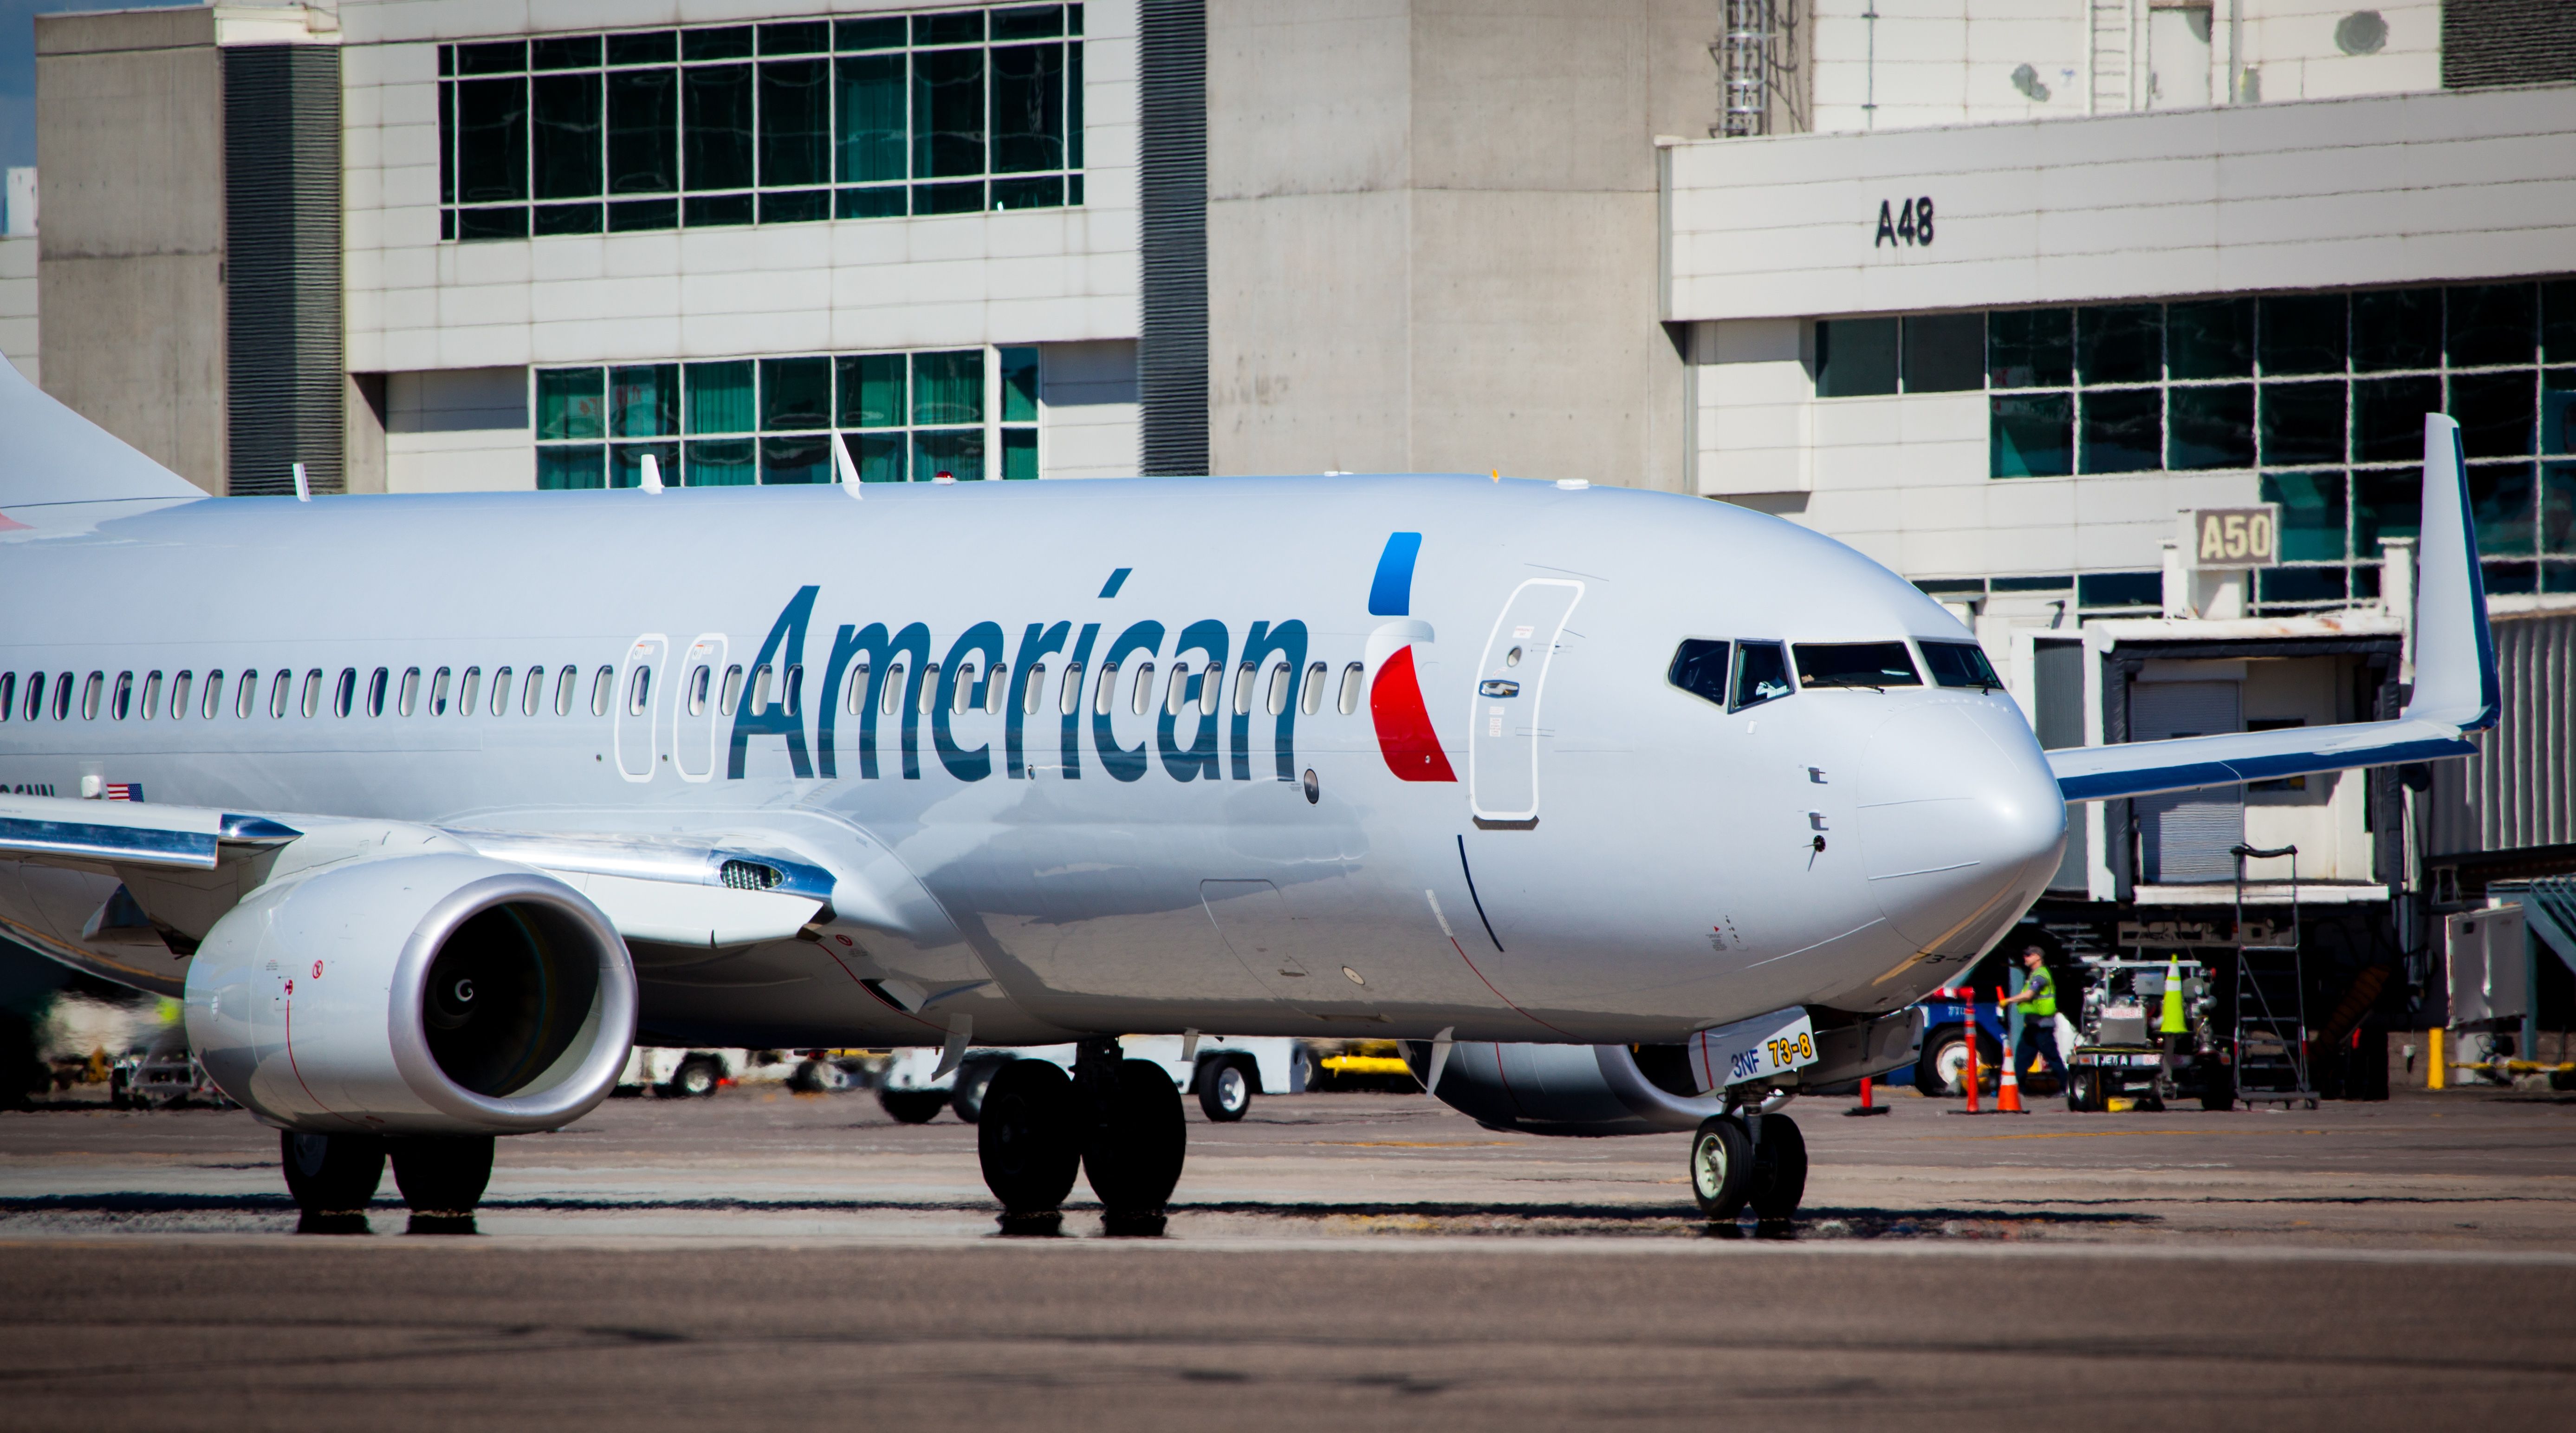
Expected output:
(1134, 1159)
(1224, 1092)
(442, 1178)
(972, 1080)
(332, 1174)
(913, 1107)
(1721, 1168)
(1779, 1169)
(1025, 1138)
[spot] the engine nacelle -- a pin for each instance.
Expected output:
(1624, 1089)
(430, 994)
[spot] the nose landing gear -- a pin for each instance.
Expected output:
(1118, 1119)
(1742, 1160)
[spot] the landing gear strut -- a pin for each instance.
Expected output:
(335, 1176)
(1119, 1119)
(1745, 1158)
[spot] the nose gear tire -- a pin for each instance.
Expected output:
(1779, 1169)
(1136, 1150)
(331, 1173)
(1025, 1138)
(1721, 1167)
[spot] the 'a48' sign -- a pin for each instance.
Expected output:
(1908, 227)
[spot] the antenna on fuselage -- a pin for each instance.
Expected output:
(303, 490)
(845, 471)
(652, 474)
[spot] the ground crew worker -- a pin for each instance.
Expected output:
(2038, 999)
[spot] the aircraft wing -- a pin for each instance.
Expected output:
(2455, 679)
(123, 889)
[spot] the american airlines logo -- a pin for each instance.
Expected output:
(880, 685)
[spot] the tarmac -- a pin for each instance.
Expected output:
(759, 1256)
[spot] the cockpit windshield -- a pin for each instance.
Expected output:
(1878, 665)
(1960, 664)
(1761, 674)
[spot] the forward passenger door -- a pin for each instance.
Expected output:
(1503, 732)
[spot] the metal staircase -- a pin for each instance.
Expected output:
(2268, 1039)
(2112, 56)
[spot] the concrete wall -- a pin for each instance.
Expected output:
(1425, 227)
(129, 134)
(1088, 410)
(18, 328)
(415, 303)
(2403, 189)
(458, 430)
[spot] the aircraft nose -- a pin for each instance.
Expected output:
(1961, 824)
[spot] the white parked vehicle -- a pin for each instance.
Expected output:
(1224, 1073)
(673, 1071)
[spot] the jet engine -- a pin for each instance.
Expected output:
(429, 994)
(1633, 1089)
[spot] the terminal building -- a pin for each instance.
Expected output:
(2008, 294)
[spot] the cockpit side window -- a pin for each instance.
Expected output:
(1877, 665)
(1960, 664)
(1699, 668)
(1761, 674)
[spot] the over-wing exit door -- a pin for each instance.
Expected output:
(636, 698)
(1503, 734)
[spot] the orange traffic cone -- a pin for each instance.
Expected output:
(2008, 1095)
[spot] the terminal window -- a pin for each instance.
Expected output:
(900, 417)
(2321, 395)
(953, 112)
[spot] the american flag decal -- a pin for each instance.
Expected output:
(125, 791)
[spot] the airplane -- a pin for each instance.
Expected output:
(1627, 811)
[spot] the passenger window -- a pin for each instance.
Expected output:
(1279, 684)
(1960, 664)
(248, 694)
(438, 692)
(469, 691)
(1350, 699)
(214, 698)
(1699, 668)
(1311, 700)
(124, 701)
(563, 691)
(1211, 688)
(855, 701)
(1033, 690)
(892, 701)
(179, 686)
(1141, 695)
(312, 703)
(35, 696)
(63, 695)
(996, 683)
(602, 683)
(8, 693)
(965, 689)
(1102, 690)
(344, 693)
(1761, 674)
(1243, 677)
(700, 679)
(375, 694)
(151, 696)
(1069, 700)
(500, 691)
(1876, 665)
(795, 690)
(639, 692)
(929, 686)
(1177, 690)
(731, 695)
(407, 697)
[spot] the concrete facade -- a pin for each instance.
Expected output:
(1425, 226)
(18, 305)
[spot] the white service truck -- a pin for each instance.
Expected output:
(1224, 1073)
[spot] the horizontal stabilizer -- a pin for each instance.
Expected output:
(2455, 679)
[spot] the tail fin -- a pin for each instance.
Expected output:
(51, 455)
(2455, 663)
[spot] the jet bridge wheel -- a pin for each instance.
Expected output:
(1134, 1159)
(331, 1173)
(1026, 1138)
(1721, 1168)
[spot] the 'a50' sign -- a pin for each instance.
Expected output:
(2234, 537)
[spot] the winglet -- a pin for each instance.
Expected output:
(50, 454)
(2455, 662)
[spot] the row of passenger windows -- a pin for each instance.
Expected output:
(988, 690)
(182, 695)
(1736, 675)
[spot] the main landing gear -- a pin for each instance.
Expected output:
(1118, 1119)
(1746, 1158)
(334, 1176)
